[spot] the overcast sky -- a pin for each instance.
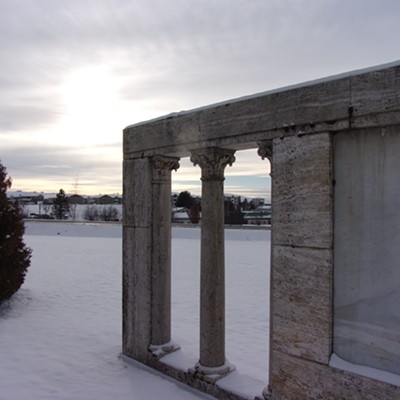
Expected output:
(74, 73)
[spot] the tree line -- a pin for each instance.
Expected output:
(233, 212)
(62, 209)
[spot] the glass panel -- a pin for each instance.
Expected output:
(367, 249)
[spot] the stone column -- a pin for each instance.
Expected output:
(137, 258)
(265, 151)
(161, 254)
(212, 162)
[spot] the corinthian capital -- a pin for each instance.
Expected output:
(162, 167)
(212, 162)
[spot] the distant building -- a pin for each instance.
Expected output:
(180, 215)
(257, 202)
(26, 198)
(259, 216)
(76, 199)
(105, 199)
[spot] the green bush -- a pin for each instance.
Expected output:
(14, 255)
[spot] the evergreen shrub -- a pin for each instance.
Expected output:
(14, 255)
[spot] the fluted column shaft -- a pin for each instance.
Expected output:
(212, 283)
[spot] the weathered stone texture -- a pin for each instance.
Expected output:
(212, 283)
(136, 301)
(161, 249)
(301, 302)
(302, 191)
(375, 98)
(137, 192)
(137, 246)
(297, 378)
(299, 122)
(291, 111)
(358, 100)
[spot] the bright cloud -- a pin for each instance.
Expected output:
(75, 73)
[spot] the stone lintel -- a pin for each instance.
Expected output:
(361, 99)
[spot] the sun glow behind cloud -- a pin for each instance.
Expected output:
(74, 74)
(92, 114)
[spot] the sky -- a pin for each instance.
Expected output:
(74, 73)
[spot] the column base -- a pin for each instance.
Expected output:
(211, 374)
(161, 350)
(266, 394)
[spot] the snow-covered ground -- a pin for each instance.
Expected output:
(60, 335)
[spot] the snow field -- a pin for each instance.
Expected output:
(61, 333)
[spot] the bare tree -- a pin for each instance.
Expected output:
(109, 213)
(73, 211)
(46, 208)
(91, 213)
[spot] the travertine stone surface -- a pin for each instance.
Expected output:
(137, 258)
(137, 192)
(240, 121)
(375, 98)
(161, 249)
(296, 378)
(136, 301)
(302, 303)
(293, 128)
(365, 98)
(212, 283)
(302, 196)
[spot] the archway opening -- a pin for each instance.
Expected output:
(247, 266)
(247, 273)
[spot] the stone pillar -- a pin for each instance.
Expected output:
(301, 266)
(265, 150)
(212, 162)
(137, 239)
(161, 254)
(147, 257)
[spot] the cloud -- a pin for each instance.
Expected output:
(161, 56)
(52, 167)
(24, 117)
